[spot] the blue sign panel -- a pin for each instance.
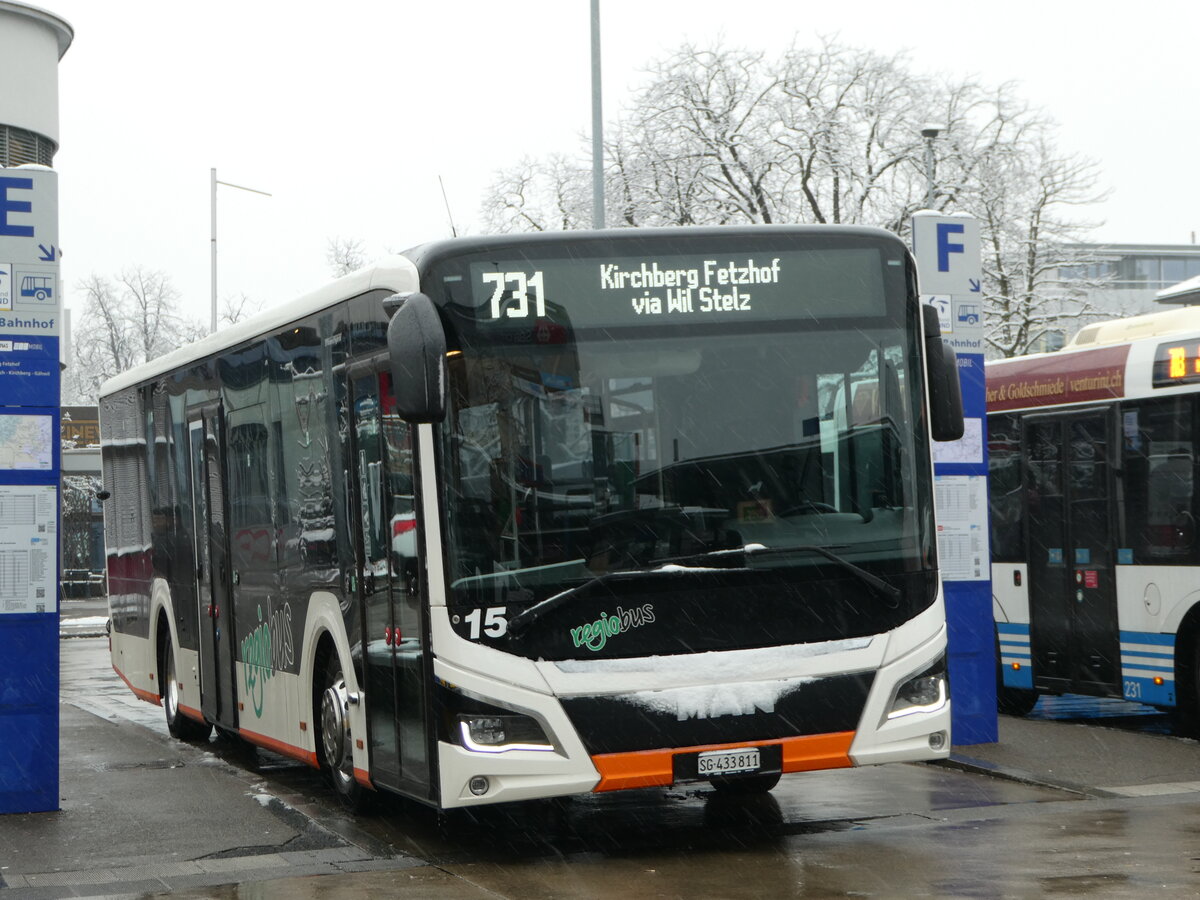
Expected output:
(29, 370)
(947, 250)
(30, 463)
(28, 713)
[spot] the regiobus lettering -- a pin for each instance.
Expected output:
(594, 635)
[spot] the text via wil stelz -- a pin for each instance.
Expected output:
(712, 287)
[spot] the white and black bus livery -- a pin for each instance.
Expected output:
(516, 517)
(1093, 455)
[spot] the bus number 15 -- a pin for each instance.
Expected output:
(491, 622)
(522, 285)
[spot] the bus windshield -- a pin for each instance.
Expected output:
(701, 463)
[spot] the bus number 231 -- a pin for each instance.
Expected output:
(522, 285)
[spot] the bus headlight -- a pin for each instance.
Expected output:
(485, 733)
(925, 692)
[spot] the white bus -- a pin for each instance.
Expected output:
(525, 516)
(1092, 458)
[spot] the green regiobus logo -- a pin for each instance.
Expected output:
(594, 635)
(267, 648)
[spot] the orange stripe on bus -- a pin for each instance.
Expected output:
(193, 713)
(361, 776)
(654, 768)
(148, 696)
(280, 747)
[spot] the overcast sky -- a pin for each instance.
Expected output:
(348, 112)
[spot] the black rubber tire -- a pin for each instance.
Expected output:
(746, 785)
(1015, 701)
(1185, 717)
(180, 725)
(338, 772)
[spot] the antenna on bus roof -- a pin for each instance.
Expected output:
(449, 215)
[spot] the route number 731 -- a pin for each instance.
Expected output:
(522, 286)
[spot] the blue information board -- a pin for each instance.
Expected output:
(29, 374)
(947, 252)
(30, 471)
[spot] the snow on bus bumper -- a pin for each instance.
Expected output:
(623, 724)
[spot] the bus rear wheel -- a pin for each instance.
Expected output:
(180, 726)
(336, 744)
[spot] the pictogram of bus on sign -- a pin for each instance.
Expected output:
(38, 287)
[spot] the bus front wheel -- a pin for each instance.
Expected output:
(1186, 718)
(746, 785)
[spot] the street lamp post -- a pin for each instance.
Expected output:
(929, 133)
(597, 125)
(213, 193)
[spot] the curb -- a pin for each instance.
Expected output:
(962, 763)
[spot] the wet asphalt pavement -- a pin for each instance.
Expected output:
(1085, 797)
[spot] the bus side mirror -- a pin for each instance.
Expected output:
(417, 352)
(945, 389)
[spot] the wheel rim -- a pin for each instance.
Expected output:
(335, 731)
(171, 697)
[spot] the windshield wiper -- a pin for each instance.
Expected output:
(527, 617)
(891, 592)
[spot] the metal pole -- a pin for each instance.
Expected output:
(597, 125)
(213, 279)
(928, 172)
(213, 252)
(930, 132)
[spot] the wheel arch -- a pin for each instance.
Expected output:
(1187, 636)
(162, 610)
(324, 635)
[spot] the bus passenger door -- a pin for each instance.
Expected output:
(1093, 583)
(218, 695)
(393, 627)
(1073, 618)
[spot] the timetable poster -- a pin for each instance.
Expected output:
(28, 548)
(962, 527)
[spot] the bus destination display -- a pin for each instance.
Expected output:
(652, 290)
(1176, 363)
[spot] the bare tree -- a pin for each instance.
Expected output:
(1029, 236)
(344, 255)
(124, 321)
(236, 308)
(832, 135)
(548, 195)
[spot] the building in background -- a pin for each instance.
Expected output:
(1127, 280)
(82, 518)
(33, 42)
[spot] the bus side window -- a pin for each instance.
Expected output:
(403, 521)
(1005, 487)
(1160, 462)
